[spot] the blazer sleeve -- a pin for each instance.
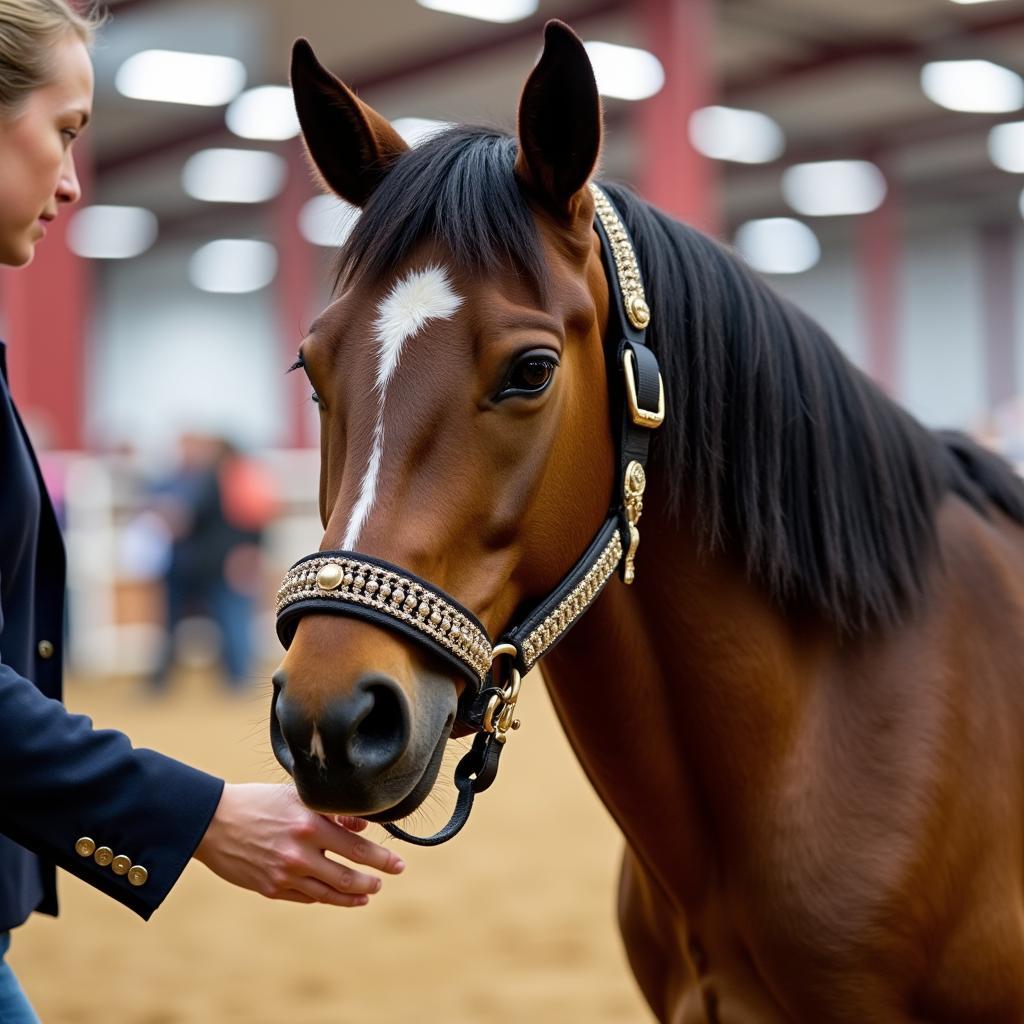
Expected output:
(62, 781)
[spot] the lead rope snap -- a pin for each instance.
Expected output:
(477, 769)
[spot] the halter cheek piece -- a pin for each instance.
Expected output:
(348, 583)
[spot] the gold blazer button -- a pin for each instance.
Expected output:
(85, 846)
(138, 875)
(103, 856)
(120, 864)
(45, 649)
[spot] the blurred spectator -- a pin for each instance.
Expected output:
(216, 507)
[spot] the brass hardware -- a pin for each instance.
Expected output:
(103, 856)
(121, 864)
(85, 847)
(639, 312)
(499, 715)
(641, 417)
(330, 576)
(634, 484)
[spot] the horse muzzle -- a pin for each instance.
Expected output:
(360, 753)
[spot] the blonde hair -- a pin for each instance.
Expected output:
(29, 32)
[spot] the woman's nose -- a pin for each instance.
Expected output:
(68, 188)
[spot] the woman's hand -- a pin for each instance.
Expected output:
(262, 838)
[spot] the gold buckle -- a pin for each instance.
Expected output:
(499, 715)
(641, 417)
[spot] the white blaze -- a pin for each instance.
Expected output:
(420, 296)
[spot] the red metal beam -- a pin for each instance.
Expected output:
(47, 310)
(672, 174)
(997, 249)
(879, 254)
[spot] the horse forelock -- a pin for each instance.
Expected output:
(457, 193)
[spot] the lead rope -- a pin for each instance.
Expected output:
(473, 774)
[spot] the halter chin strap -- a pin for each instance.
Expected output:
(349, 583)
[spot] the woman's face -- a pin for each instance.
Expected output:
(37, 169)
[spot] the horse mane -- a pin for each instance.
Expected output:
(774, 442)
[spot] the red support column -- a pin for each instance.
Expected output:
(46, 311)
(672, 174)
(880, 259)
(295, 289)
(998, 264)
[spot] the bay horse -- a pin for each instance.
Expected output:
(806, 713)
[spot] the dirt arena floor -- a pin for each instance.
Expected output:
(513, 921)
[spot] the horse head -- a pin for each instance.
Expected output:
(460, 377)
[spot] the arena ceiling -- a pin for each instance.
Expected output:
(841, 79)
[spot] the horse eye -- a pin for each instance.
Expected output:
(530, 375)
(315, 398)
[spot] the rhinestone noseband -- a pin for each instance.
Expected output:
(354, 584)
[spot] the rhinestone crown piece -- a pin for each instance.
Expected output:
(626, 267)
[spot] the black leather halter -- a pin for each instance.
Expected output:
(349, 583)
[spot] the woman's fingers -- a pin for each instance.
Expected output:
(358, 849)
(319, 892)
(352, 824)
(294, 896)
(343, 878)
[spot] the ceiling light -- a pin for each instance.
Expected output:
(234, 175)
(1021, 204)
(778, 245)
(266, 112)
(502, 11)
(327, 220)
(233, 265)
(624, 71)
(416, 129)
(1006, 147)
(974, 86)
(200, 79)
(745, 136)
(972, 1)
(833, 188)
(112, 232)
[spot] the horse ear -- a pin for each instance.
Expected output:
(352, 146)
(559, 121)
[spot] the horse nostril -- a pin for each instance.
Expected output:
(370, 729)
(385, 717)
(284, 727)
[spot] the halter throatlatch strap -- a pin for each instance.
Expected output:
(350, 583)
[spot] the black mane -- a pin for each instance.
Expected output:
(777, 445)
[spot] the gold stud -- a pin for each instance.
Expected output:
(639, 312)
(330, 576)
(120, 864)
(103, 856)
(85, 847)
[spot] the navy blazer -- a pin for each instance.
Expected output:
(122, 819)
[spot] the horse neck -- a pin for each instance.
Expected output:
(679, 692)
